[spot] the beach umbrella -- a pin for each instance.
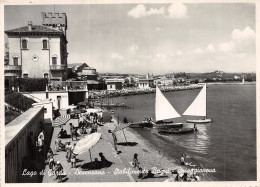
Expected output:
(122, 126)
(86, 143)
(61, 120)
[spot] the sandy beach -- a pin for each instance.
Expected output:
(148, 156)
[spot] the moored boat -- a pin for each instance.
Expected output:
(198, 121)
(168, 125)
(198, 107)
(142, 124)
(176, 131)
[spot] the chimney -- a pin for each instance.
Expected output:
(30, 25)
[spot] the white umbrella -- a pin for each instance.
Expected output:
(86, 143)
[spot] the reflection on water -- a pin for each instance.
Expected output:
(232, 133)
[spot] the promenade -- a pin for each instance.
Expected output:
(81, 173)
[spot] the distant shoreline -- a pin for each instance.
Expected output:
(138, 91)
(231, 83)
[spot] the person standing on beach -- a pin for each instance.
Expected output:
(135, 161)
(114, 138)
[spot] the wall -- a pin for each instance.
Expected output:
(48, 110)
(14, 49)
(111, 86)
(53, 96)
(35, 68)
(16, 142)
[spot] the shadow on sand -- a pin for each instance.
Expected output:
(127, 143)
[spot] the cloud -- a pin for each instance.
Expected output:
(246, 35)
(198, 50)
(134, 48)
(210, 48)
(242, 41)
(140, 11)
(227, 46)
(158, 29)
(177, 11)
(117, 56)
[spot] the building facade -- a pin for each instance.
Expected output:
(114, 84)
(39, 51)
(145, 83)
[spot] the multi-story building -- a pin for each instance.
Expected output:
(39, 51)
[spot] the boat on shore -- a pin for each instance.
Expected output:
(142, 124)
(198, 108)
(176, 131)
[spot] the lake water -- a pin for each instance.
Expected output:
(227, 145)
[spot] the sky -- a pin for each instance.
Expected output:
(153, 38)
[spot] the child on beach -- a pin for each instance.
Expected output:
(135, 161)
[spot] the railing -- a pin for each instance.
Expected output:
(11, 67)
(58, 67)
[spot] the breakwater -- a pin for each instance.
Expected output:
(138, 91)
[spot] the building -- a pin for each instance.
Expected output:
(39, 51)
(145, 83)
(163, 81)
(114, 84)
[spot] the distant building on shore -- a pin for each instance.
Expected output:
(145, 83)
(114, 84)
(39, 51)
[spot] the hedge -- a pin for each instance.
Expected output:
(30, 84)
(18, 101)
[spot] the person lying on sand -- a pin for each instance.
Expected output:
(144, 175)
(183, 162)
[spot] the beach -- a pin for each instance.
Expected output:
(148, 156)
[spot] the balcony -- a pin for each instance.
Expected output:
(58, 67)
(12, 68)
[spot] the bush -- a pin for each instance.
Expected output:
(18, 101)
(30, 84)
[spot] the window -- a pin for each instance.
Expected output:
(15, 60)
(24, 44)
(45, 110)
(25, 75)
(44, 44)
(46, 75)
(54, 60)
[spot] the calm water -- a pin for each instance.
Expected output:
(228, 144)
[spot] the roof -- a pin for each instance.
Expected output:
(36, 29)
(92, 82)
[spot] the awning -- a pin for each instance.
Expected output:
(61, 120)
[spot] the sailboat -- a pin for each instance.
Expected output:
(165, 111)
(198, 107)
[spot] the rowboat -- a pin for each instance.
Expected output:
(176, 131)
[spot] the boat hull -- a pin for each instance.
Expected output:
(176, 131)
(168, 125)
(198, 121)
(141, 124)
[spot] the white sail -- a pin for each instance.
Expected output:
(198, 106)
(163, 108)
